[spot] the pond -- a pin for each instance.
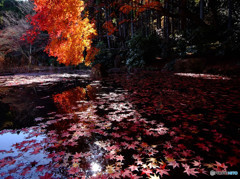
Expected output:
(67, 125)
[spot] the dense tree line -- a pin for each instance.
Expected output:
(175, 27)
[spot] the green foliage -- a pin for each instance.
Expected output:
(207, 41)
(231, 44)
(105, 56)
(180, 45)
(1, 2)
(143, 50)
(204, 39)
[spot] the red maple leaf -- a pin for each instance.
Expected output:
(46, 176)
(146, 171)
(168, 145)
(77, 155)
(131, 146)
(57, 159)
(202, 146)
(220, 166)
(11, 162)
(133, 167)
(190, 171)
(233, 160)
(137, 157)
(25, 171)
(162, 171)
(36, 150)
(196, 163)
(119, 158)
(40, 168)
(126, 173)
(51, 155)
(116, 175)
(73, 170)
(174, 164)
(61, 153)
(202, 171)
(13, 171)
(134, 176)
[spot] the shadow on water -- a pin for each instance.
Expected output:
(24, 97)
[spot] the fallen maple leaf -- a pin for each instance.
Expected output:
(162, 171)
(73, 170)
(190, 171)
(146, 171)
(119, 158)
(233, 161)
(154, 177)
(220, 166)
(46, 176)
(196, 163)
(9, 177)
(134, 176)
(40, 168)
(152, 165)
(174, 164)
(126, 173)
(25, 171)
(133, 168)
(36, 150)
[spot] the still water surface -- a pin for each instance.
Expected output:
(70, 126)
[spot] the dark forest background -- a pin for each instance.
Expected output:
(135, 34)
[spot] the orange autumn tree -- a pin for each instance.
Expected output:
(69, 29)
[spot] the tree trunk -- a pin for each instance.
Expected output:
(30, 55)
(158, 21)
(99, 25)
(230, 11)
(107, 18)
(201, 7)
(213, 10)
(166, 20)
(183, 14)
(132, 30)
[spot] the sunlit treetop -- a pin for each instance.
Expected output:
(69, 29)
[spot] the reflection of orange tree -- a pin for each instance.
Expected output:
(73, 100)
(91, 92)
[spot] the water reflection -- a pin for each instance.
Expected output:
(21, 151)
(24, 97)
(39, 78)
(74, 100)
(95, 167)
(97, 133)
(105, 129)
(204, 76)
(92, 135)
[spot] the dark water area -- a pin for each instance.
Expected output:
(23, 97)
(66, 125)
